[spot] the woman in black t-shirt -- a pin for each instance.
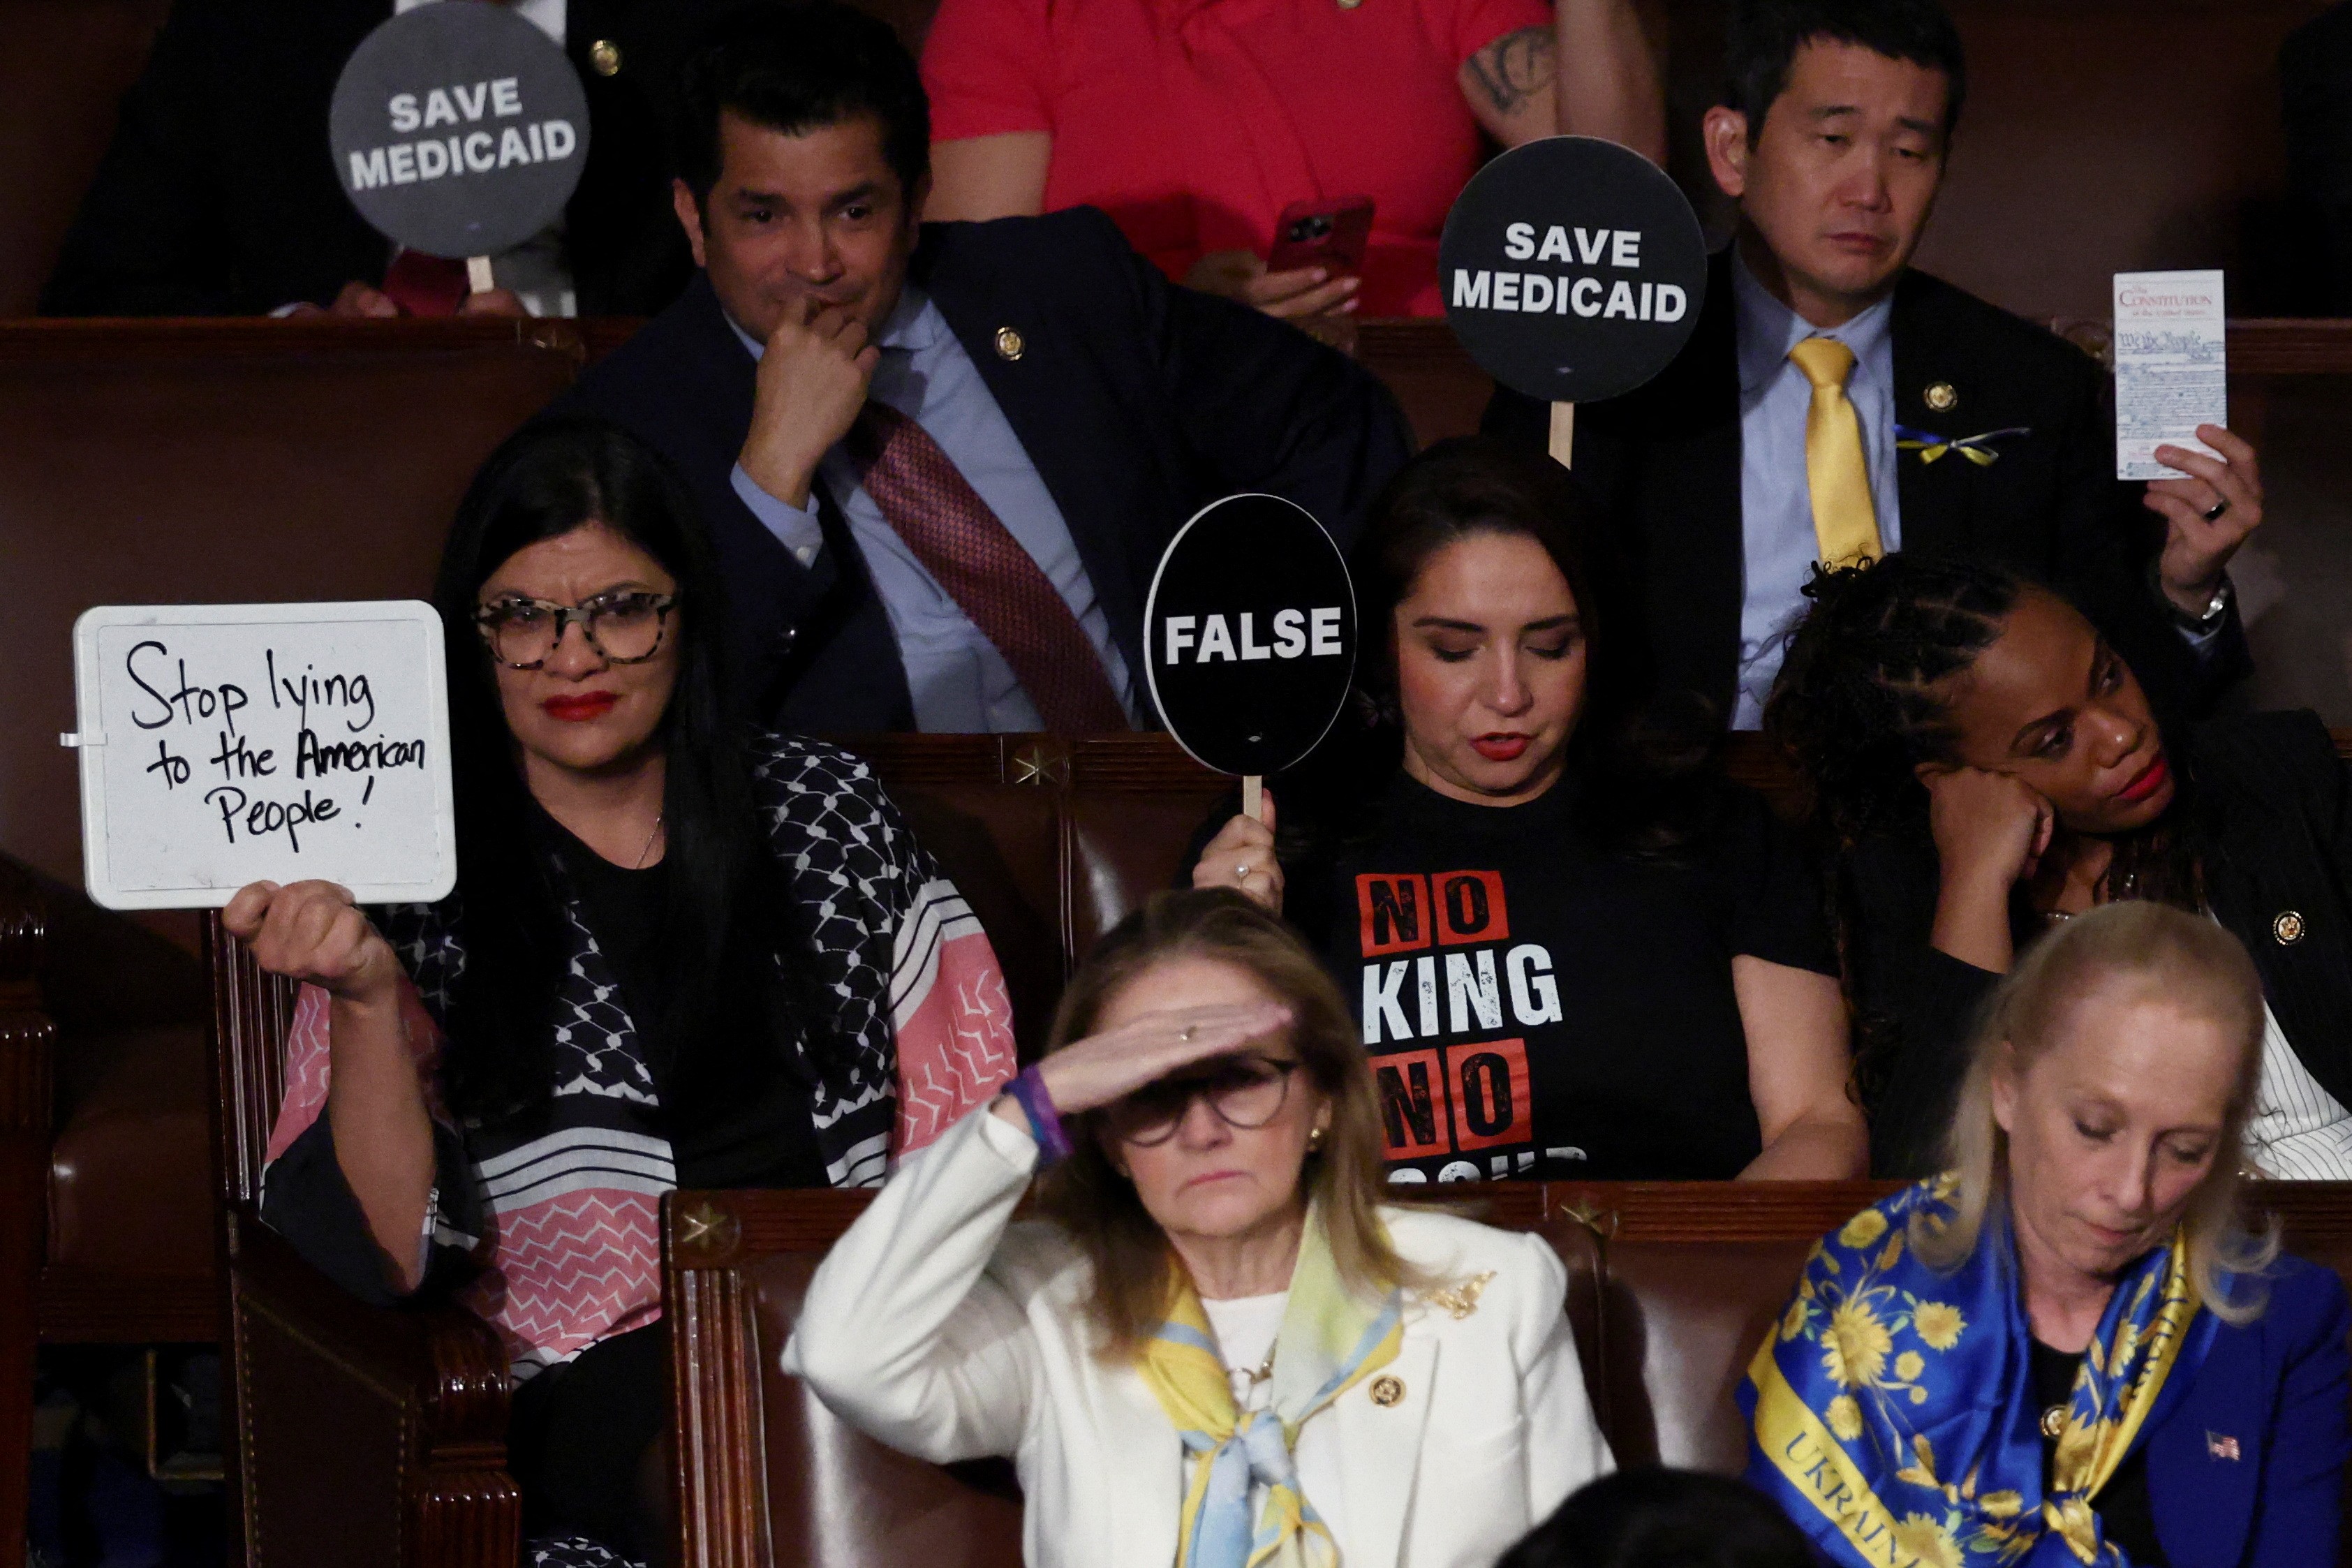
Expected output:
(1565, 963)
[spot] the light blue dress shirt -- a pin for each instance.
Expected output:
(959, 681)
(1776, 502)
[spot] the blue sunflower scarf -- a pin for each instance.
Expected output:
(1892, 1412)
(1330, 1339)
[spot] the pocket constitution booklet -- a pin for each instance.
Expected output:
(2171, 366)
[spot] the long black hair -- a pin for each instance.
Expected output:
(727, 912)
(1863, 699)
(1625, 771)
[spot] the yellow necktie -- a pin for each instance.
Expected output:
(1845, 521)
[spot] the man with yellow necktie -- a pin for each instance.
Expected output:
(1834, 404)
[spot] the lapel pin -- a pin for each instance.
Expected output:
(2221, 1446)
(1387, 1391)
(1009, 345)
(1933, 449)
(2287, 929)
(1943, 397)
(605, 55)
(1461, 1300)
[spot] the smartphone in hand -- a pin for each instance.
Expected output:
(1331, 234)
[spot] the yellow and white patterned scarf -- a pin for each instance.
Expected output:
(1330, 1339)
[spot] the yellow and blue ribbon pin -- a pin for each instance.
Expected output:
(1977, 449)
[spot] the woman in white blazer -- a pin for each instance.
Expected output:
(1219, 1347)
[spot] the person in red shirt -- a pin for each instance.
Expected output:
(1193, 123)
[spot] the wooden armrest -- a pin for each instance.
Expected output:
(27, 1047)
(24, 927)
(27, 1036)
(365, 1434)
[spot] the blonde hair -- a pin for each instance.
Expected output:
(2121, 951)
(1085, 1196)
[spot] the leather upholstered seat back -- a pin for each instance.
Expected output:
(877, 1505)
(1052, 841)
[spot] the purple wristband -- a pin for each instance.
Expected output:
(1028, 1092)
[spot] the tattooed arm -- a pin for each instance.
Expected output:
(1509, 85)
(1608, 76)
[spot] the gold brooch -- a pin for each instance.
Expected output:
(1008, 343)
(2287, 929)
(1387, 1391)
(1943, 397)
(1461, 1300)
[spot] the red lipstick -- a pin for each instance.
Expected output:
(2147, 782)
(1500, 748)
(580, 707)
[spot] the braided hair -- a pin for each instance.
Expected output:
(1862, 699)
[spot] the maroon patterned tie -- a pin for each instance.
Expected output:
(971, 553)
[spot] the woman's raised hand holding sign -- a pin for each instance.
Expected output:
(313, 932)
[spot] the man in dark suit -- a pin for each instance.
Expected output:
(940, 462)
(218, 196)
(1833, 404)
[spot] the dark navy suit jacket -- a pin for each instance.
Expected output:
(2247, 1469)
(1138, 402)
(1664, 462)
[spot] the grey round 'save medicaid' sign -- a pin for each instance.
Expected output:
(1573, 269)
(458, 128)
(1250, 633)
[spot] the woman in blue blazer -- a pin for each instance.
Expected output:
(2066, 1350)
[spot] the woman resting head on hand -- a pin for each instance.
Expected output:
(1204, 1338)
(2105, 1359)
(1987, 766)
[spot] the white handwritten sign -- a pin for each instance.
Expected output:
(223, 744)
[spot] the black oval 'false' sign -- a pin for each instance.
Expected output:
(458, 130)
(1573, 269)
(1250, 633)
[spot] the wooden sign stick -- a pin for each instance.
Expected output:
(1563, 434)
(478, 279)
(1254, 796)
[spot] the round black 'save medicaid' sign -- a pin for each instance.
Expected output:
(1573, 269)
(458, 128)
(1250, 633)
